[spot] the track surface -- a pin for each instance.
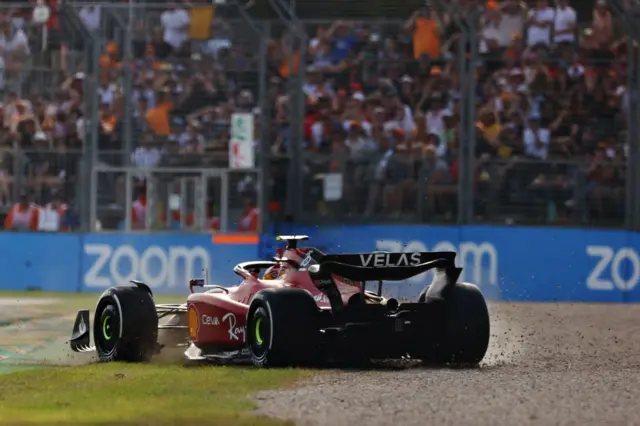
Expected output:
(34, 332)
(549, 364)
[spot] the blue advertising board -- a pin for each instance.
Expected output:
(48, 262)
(508, 263)
(165, 262)
(94, 262)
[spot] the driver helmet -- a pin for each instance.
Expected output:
(273, 273)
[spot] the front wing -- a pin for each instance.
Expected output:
(81, 334)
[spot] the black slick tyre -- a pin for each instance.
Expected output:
(282, 328)
(125, 326)
(461, 328)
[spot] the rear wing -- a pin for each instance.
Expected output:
(393, 273)
(380, 266)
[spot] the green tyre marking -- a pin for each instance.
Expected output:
(257, 332)
(105, 330)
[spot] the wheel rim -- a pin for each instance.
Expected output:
(106, 338)
(260, 334)
(106, 327)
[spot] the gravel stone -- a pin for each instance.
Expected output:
(548, 364)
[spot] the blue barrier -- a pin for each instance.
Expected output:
(49, 262)
(508, 263)
(94, 262)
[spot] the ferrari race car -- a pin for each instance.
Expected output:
(314, 310)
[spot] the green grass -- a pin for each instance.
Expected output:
(130, 394)
(141, 394)
(76, 301)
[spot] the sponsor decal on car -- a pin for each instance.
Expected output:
(235, 332)
(307, 260)
(387, 260)
(193, 323)
(321, 298)
(478, 260)
(208, 320)
(323, 282)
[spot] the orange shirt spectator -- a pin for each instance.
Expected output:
(22, 216)
(110, 58)
(426, 37)
(158, 117)
(283, 69)
(108, 120)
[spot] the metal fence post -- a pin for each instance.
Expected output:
(630, 23)
(287, 14)
(466, 20)
(91, 62)
(265, 114)
(631, 116)
(465, 129)
(127, 88)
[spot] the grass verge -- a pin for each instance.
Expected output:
(77, 301)
(140, 394)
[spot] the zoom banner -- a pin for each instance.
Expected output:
(164, 262)
(508, 263)
(94, 262)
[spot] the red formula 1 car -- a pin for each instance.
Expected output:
(308, 308)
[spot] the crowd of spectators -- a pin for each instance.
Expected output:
(382, 108)
(550, 107)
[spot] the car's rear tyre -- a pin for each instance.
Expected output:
(125, 326)
(461, 329)
(282, 328)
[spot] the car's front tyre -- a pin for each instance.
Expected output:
(125, 326)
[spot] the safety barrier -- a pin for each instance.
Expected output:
(508, 263)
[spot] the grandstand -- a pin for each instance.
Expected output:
(381, 121)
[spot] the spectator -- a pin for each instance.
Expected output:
(14, 44)
(382, 104)
(158, 117)
(565, 26)
(602, 24)
(505, 21)
(540, 23)
(426, 33)
(23, 216)
(249, 220)
(175, 22)
(493, 38)
(536, 139)
(51, 216)
(90, 16)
